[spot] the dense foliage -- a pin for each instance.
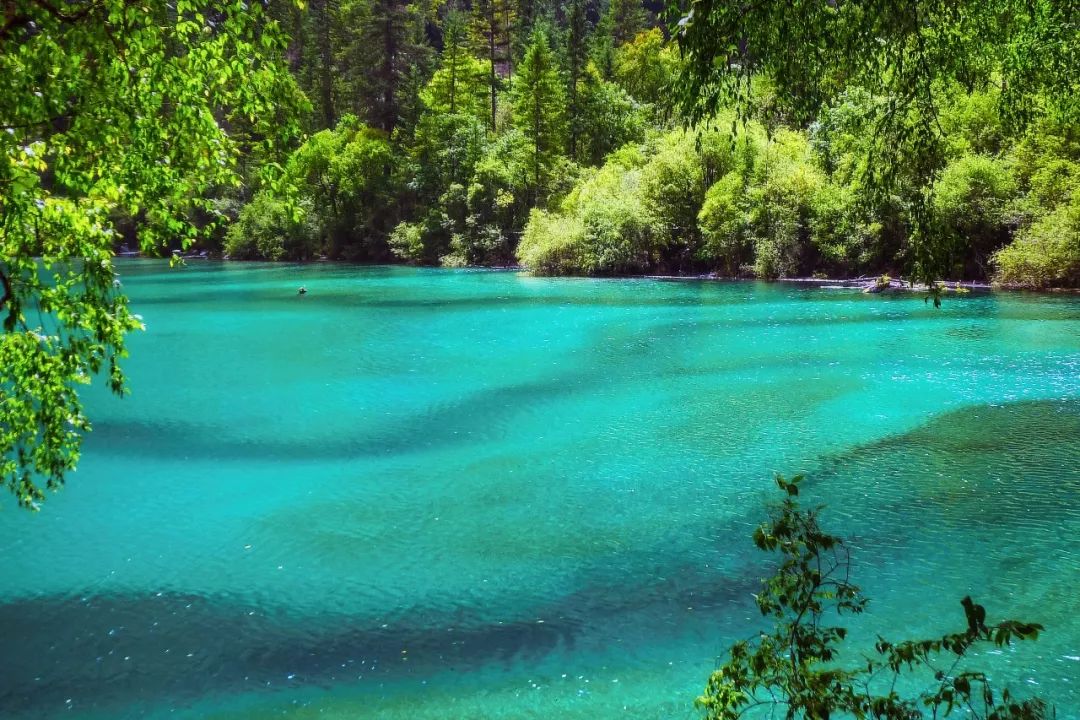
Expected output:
(836, 139)
(801, 669)
(118, 121)
(916, 58)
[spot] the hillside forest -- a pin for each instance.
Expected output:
(553, 136)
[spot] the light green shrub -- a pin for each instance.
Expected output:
(407, 242)
(1047, 253)
(552, 243)
(270, 229)
(723, 222)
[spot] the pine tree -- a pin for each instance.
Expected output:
(540, 110)
(320, 15)
(576, 59)
(627, 18)
(382, 59)
(492, 22)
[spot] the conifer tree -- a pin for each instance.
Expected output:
(627, 18)
(492, 21)
(540, 110)
(576, 58)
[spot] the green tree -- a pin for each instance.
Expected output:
(971, 202)
(723, 222)
(459, 86)
(381, 59)
(498, 194)
(109, 111)
(647, 67)
(903, 53)
(608, 118)
(539, 100)
(271, 228)
(625, 19)
(1047, 253)
(493, 20)
(348, 176)
(577, 55)
(799, 667)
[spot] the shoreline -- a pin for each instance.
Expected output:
(867, 283)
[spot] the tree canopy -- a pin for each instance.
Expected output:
(904, 54)
(116, 121)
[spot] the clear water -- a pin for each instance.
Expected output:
(439, 494)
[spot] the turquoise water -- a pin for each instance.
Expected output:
(453, 494)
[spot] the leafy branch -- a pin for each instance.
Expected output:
(798, 668)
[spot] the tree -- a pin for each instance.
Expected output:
(448, 142)
(608, 118)
(540, 110)
(577, 55)
(798, 667)
(460, 83)
(626, 18)
(382, 59)
(321, 19)
(1047, 253)
(902, 53)
(647, 66)
(493, 20)
(110, 111)
(347, 176)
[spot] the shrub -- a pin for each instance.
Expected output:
(407, 243)
(781, 203)
(551, 243)
(673, 189)
(609, 118)
(349, 176)
(801, 668)
(723, 224)
(971, 204)
(1047, 253)
(269, 229)
(602, 227)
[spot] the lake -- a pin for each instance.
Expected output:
(420, 493)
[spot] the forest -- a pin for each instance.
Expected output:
(535, 492)
(558, 137)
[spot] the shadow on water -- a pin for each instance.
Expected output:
(129, 649)
(155, 648)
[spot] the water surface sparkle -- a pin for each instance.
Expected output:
(432, 494)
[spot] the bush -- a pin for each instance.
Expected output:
(673, 190)
(349, 176)
(609, 118)
(552, 243)
(269, 229)
(781, 203)
(971, 203)
(723, 223)
(602, 227)
(1047, 253)
(802, 668)
(407, 243)
(497, 195)
(845, 233)
(647, 67)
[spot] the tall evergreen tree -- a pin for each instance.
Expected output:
(492, 23)
(626, 19)
(320, 13)
(576, 57)
(540, 110)
(381, 59)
